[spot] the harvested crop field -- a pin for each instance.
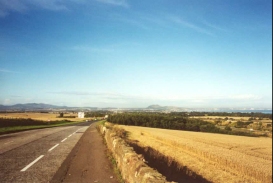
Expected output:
(41, 116)
(214, 157)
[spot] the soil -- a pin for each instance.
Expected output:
(87, 162)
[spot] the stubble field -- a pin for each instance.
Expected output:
(215, 157)
(41, 116)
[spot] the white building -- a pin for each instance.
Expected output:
(80, 114)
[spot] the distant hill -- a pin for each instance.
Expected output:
(29, 106)
(158, 107)
(154, 107)
(40, 107)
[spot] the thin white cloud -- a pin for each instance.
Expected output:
(8, 71)
(101, 95)
(8, 6)
(190, 25)
(110, 95)
(245, 97)
(11, 5)
(90, 49)
(54, 5)
(122, 3)
(7, 101)
(214, 26)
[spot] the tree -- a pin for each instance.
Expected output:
(61, 115)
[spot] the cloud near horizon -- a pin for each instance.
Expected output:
(8, 71)
(172, 98)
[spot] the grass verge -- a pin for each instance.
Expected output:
(12, 129)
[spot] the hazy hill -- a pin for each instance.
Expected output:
(31, 106)
(158, 107)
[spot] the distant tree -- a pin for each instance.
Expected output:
(227, 128)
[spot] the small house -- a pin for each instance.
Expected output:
(80, 114)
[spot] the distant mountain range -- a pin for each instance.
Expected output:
(38, 106)
(48, 107)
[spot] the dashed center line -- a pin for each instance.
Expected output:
(32, 163)
(64, 140)
(40, 157)
(52, 147)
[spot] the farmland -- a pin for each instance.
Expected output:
(15, 122)
(41, 116)
(215, 157)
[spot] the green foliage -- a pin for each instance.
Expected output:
(96, 114)
(240, 124)
(10, 122)
(227, 128)
(15, 125)
(175, 121)
(166, 121)
(234, 114)
(61, 115)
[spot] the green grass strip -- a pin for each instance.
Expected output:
(5, 130)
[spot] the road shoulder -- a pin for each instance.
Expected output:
(87, 162)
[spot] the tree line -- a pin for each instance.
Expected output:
(170, 121)
(95, 114)
(230, 114)
(10, 122)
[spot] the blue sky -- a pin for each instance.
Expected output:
(129, 53)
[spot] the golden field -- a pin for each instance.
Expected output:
(216, 157)
(42, 116)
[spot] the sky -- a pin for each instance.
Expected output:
(130, 53)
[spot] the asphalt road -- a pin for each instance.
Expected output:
(36, 155)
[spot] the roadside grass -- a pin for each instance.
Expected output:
(23, 127)
(102, 122)
(114, 166)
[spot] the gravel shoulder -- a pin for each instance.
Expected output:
(87, 162)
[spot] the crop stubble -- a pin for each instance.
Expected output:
(216, 157)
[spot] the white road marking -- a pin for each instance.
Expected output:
(70, 135)
(8, 142)
(32, 163)
(52, 147)
(80, 129)
(63, 140)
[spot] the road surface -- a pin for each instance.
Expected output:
(87, 162)
(36, 155)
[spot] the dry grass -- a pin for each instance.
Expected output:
(41, 116)
(213, 118)
(216, 157)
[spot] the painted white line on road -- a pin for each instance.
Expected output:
(8, 142)
(63, 140)
(80, 129)
(69, 135)
(52, 147)
(32, 163)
